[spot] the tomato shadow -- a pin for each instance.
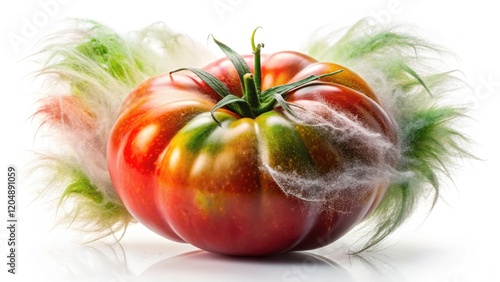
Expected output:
(204, 266)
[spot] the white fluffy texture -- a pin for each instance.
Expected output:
(417, 87)
(88, 70)
(159, 50)
(368, 156)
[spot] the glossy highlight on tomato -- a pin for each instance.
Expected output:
(198, 170)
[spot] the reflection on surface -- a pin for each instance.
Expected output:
(154, 259)
(288, 267)
(99, 262)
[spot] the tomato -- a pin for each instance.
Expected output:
(240, 172)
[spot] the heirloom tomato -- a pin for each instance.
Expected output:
(194, 154)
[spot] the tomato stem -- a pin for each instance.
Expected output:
(254, 101)
(251, 91)
(257, 65)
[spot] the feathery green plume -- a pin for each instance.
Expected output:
(400, 68)
(92, 70)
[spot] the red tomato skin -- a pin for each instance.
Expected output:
(189, 180)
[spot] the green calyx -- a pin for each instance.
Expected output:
(254, 101)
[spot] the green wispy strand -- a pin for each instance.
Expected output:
(89, 70)
(401, 69)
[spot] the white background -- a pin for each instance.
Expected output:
(457, 242)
